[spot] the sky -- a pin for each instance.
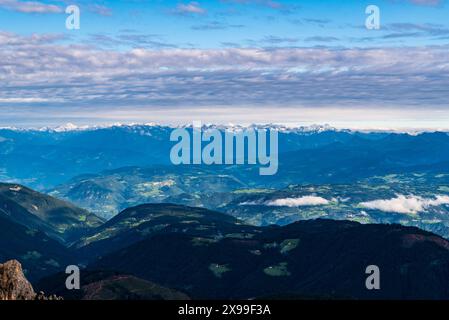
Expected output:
(225, 61)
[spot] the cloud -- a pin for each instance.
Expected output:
(216, 25)
(129, 38)
(316, 22)
(10, 40)
(192, 8)
(266, 3)
(29, 6)
(279, 40)
(321, 39)
(406, 204)
(272, 41)
(100, 10)
(412, 31)
(155, 73)
(298, 202)
(417, 30)
(426, 2)
(25, 100)
(282, 8)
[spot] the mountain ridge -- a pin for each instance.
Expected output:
(59, 219)
(313, 128)
(314, 257)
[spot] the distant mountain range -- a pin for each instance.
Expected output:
(106, 170)
(69, 127)
(313, 128)
(43, 159)
(110, 201)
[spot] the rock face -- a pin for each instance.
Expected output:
(13, 284)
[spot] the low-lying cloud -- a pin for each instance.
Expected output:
(406, 204)
(298, 202)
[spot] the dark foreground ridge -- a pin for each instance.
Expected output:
(207, 255)
(174, 252)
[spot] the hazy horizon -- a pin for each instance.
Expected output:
(356, 119)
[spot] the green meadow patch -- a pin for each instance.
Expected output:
(219, 269)
(288, 245)
(279, 270)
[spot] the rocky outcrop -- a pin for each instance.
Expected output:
(13, 284)
(42, 296)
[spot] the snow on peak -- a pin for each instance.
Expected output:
(69, 127)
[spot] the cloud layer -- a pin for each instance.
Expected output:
(40, 69)
(297, 61)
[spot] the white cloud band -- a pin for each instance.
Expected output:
(406, 204)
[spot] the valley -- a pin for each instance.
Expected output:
(139, 228)
(168, 251)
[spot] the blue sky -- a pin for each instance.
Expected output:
(243, 23)
(225, 61)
